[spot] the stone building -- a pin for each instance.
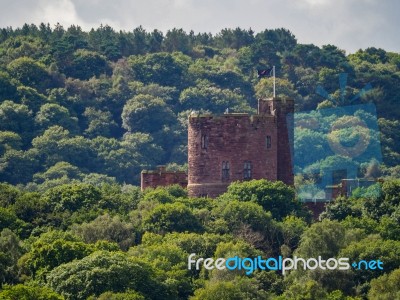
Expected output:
(162, 177)
(238, 146)
(231, 147)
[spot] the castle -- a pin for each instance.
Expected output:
(234, 146)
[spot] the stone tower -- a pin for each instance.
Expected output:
(232, 147)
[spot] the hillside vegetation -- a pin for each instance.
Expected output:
(82, 113)
(103, 105)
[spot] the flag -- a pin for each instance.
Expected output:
(265, 73)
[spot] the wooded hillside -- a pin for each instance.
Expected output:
(103, 105)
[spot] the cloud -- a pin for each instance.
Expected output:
(349, 24)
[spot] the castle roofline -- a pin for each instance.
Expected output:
(276, 99)
(193, 115)
(161, 169)
(163, 172)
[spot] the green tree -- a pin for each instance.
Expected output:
(372, 55)
(107, 228)
(105, 271)
(390, 145)
(161, 68)
(206, 96)
(373, 248)
(72, 197)
(275, 197)
(100, 123)
(203, 245)
(48, 145)
(234, 38)
(176, 40)
(130, 295)
(292, 229)
(31, 98)
(308, 290)
(9, 220)
(16, 118)
(10, 251)
(238, 289)
(160, 194)
(284, 89)
(155, 40)
(237, 213)
(28, 292)
(52, 249)
(30, 73)
(145, 113)
(9, 140)
(18, 166)
(170, 260)
(385, 287)
(342, 208)
(77, 151)
(54, 114)
(59, 170)
(8, 194)
(86, 64)
(8, 89)
(309, 141)
(30, 208)
(323, 239)
(171, 217)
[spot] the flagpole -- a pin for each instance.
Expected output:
(273, 73)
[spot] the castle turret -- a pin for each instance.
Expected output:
(283, 109)
(232, 147)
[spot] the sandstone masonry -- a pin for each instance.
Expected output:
(236, 146)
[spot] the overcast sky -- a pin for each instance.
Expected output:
(348, 24)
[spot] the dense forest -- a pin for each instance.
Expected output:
(82, 113)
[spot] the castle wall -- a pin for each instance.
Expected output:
(234, 147)
(161, 177)
(238, 139)
(284, 110)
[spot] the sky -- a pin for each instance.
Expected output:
(347, 24)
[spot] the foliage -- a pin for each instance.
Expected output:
(82, 113)
(104, 271)
(108, 89)
(145, 113)
(238, 289)
(385, 286)
(323, 239)
(309, 290)
(10, 251)
(171, 217)
(236, 213)
(72, 197)
(28, 292)
(30, 73)
(52, 249)
(131, 295)
(275, 197)
(372, 248)
(107, 228)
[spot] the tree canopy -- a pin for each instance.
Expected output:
(83, 112)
